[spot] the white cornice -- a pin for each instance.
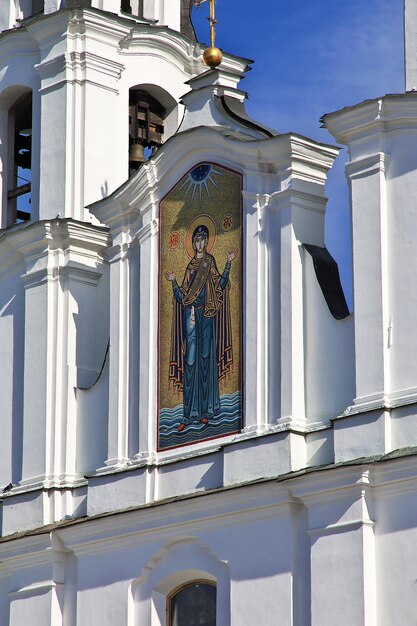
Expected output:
(163, 39)
(166, 40)
(125, 528)
(80, 61)
(298, 156)
(371, 164)
(77, 248)
(392, 477)
(29, 551)
(391, 113)
(78, 23)
(20, 44)
(343, 482)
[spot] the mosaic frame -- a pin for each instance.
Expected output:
(200, 308)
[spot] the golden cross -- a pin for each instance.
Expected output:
(212, 19)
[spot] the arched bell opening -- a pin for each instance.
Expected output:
(152, 119)
(20, 160)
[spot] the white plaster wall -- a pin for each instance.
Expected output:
(403, 426)
(334, 546)
(92, 411)
(396, 556)
(238, 552)
(38, 606)
(320, 447)
(91, 321)
(28, 508)
(263, 457)
(190, 476)
(329, 353)
(117, 492)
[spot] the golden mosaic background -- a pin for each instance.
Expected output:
(222, 202)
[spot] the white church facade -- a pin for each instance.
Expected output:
(194, 427)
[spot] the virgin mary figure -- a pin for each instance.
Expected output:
(201, 339)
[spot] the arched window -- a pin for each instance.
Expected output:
(193, 604)
(19, 172)
(146, 126)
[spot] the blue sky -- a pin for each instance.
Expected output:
(313, 57)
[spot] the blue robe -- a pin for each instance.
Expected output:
(201, 350)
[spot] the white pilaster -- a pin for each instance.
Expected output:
(118, 453)
(148, 307)
(255, 330)
(297, 212)
(342, 544)
(61, 352)
(381, 136)
(371, 278)
(35, 573)
(79, 87)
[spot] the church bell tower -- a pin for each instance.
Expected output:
(96, 90)
(90, 90)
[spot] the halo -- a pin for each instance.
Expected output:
(201, 220)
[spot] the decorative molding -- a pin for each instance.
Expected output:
(341, 527)
(45, 483)
(30, 551)
(36, 589)
(299, 200)
(380, 401)
(390, 114)
(360, 168)
(347, 482)
(110, 532)
(77, 67)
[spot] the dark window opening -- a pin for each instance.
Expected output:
(193, 605)
(134, 7)
(125, 6)
(38, 6)
(146, 127)
(19, 189)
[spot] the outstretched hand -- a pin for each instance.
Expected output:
(170, 276)
(232, 255)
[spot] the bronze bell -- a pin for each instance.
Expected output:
(137, 153)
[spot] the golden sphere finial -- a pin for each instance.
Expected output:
(212, 57)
